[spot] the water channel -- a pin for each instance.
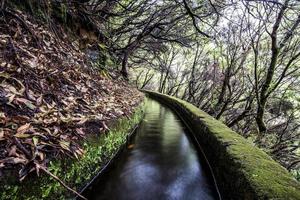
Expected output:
(162, 162)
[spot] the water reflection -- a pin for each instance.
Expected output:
(163, 164)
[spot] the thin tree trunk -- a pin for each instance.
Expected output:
(270, 73)
(124, 66)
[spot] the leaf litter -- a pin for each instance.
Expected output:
(50, 98)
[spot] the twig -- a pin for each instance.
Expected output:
(60, 181)
(22, 148)
(2, 4)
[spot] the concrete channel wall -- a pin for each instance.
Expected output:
(242, 171)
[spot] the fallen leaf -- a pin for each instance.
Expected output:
(80, 131)
(35, 141)
(31, 95)
(84, 89)
(20, 119)
(56, 130)
(41, 155)
(2, 134)
(11, 98)
(79, 151)
(105, 126)
(23, 128)
(26, 102)
(39, 100)
(65, 145)
(12, 89)
(13, 160)
(30, 105)
(22, 90)
(4, 75)
(13, 151)
(21, 135)
(32, 63)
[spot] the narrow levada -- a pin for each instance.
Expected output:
(161, 163)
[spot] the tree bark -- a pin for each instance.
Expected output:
(263, 97)
(124, 71)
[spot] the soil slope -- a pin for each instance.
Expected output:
(50, 99)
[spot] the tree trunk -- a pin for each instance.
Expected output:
(260, 117)
(265, 88)
(264, 94)
(124, 66)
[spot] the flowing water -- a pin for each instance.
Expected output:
(160, 163)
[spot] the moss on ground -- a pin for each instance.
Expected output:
(75, 173)
(242, 170)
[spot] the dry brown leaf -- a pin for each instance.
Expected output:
(84, 89)
(65, 145)
(79, 151)
(2, 134)
(41, 155)
(32, 63)
(13, 160)
(26, 102)
(56, 130)
(39, 100)
(11, 98)
(12, 89)
(20, 119)
(23, 128)
(13, 151)
(82, 121)
(4, 75)
(80, 131)
(105, 126)
(31, 95)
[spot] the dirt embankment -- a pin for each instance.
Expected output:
(50, 99)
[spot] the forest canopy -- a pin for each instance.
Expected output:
(241, 65)
(236, 60)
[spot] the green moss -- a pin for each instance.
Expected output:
(76, 173)
(242, 170)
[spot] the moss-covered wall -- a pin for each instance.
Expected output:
(75, 173)
(242, 170)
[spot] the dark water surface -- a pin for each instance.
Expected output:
(161, 163)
